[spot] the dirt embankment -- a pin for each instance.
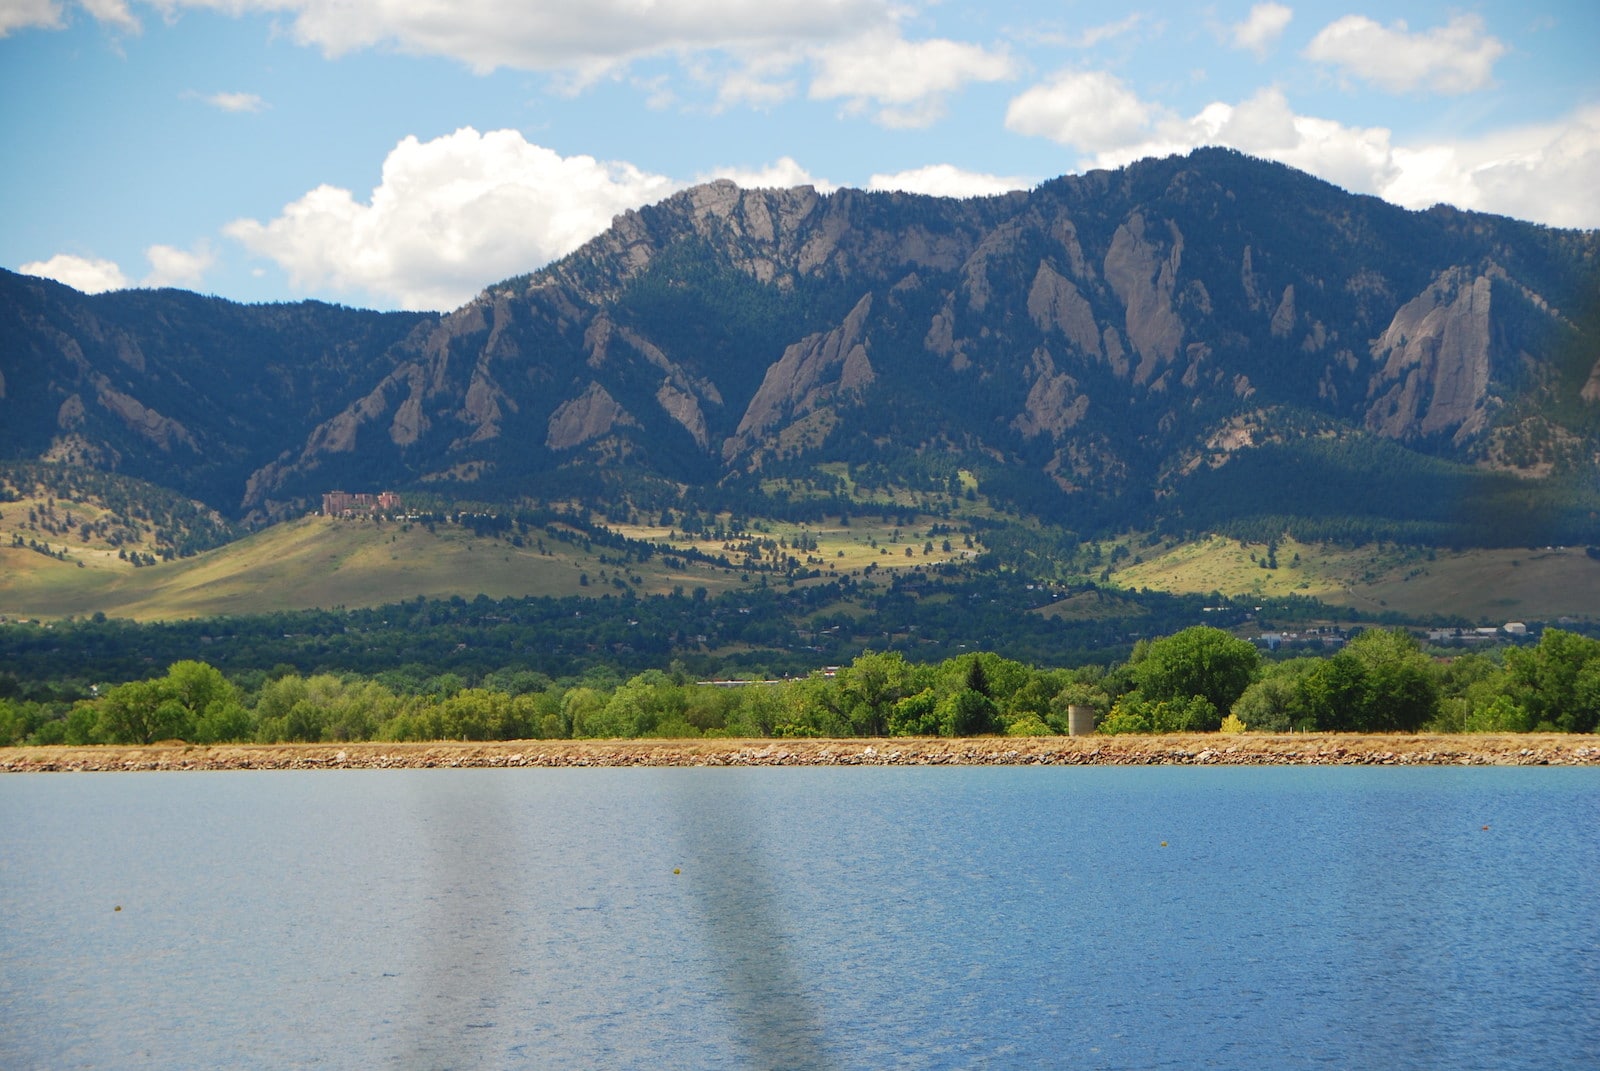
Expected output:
(1318, 749)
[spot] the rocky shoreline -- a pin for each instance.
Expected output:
(1301, 749)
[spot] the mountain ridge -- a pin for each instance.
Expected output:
(1096, 348)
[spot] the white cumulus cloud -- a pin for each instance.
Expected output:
(171, 266)
(781, 175)
(29, 15)
(1360, 159)
(946, 180)
(449, 217)
(1089, 110)
(1457, 57)
(115, 12)
(90, 275)
(1262, 27)
(1546, 173)
(907, 80)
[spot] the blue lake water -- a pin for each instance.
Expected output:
(802, 918)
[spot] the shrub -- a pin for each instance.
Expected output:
(1029, 725)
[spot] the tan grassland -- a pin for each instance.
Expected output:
(1492, 585)
(1249, 749)
(320, 563)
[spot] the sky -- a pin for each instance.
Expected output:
(407, 153)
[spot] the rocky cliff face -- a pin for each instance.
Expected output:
(810, 375)
(1096, 335)
(1433, 363)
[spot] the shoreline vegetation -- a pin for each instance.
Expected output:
(1176, 749)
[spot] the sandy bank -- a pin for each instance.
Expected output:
(1323, 749)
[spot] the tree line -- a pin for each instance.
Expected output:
(1200, 679)
(757, 632)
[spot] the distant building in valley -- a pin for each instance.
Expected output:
(345, 504)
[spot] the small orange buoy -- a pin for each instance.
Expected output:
(1486, 827)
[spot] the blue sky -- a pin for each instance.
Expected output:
(407, 153)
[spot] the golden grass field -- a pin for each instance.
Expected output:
(317, 562)
(1490, 585)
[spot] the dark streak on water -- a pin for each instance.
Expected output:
(819, 918)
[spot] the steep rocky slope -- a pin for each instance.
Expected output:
(186, 391)
(1095, 347)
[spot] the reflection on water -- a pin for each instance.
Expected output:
(801, 918)
(749, 936)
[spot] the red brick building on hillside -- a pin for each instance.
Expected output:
(345, 504)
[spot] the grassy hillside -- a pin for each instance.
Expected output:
(316, 562)
(1476, 585)
(82, 514)
(310, 563)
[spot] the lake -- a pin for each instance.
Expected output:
(802, 918)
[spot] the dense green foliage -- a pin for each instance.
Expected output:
(1200, 662)
(1380, 682)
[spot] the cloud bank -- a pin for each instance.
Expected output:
(943, 180)
(1542, 172)
(854, 49)
(169, 266)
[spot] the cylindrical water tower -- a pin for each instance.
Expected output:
(1080, 719)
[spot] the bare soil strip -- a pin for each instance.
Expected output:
(1301, 749)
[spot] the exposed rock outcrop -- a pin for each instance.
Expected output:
(1144, 274)
(1056, 304)
(1434, 371)
(1283, 318)
(70, 414)
(587, 417)
(811, 373)
(1591, 389)
(684, 408)
(1055, 403)
(160, 431)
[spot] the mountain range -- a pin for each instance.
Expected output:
(1203, 342)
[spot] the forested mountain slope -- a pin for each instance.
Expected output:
(1193, 342)
(186, 391)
